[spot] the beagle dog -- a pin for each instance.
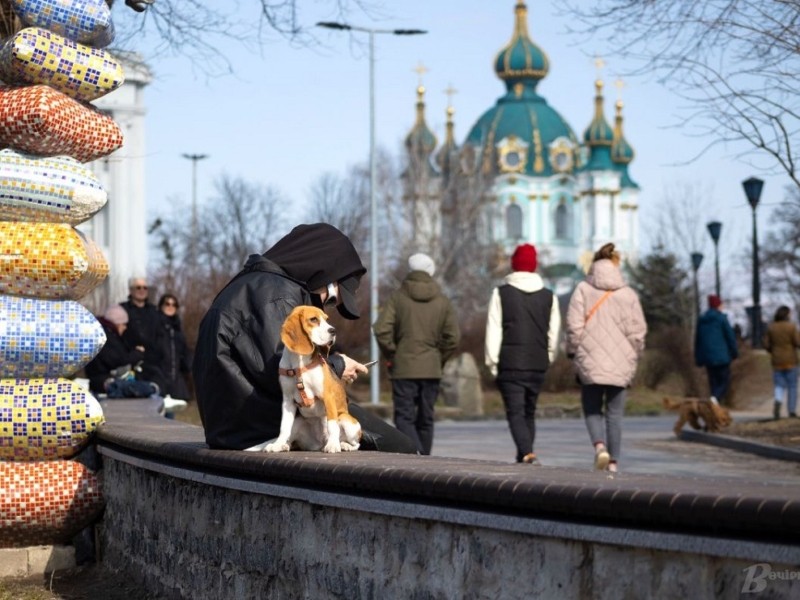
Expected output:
(314, 413)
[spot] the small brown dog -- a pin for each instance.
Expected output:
(694, 410)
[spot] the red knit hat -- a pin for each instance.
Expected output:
(714, 301)
(524, 258)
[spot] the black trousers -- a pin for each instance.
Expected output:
(377, 434)
(413, 409)
(520, 391)
(719, 380)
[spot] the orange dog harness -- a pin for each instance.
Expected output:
(317, 361)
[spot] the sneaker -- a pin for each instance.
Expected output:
(612, 467)
(714, 400)
(601, 458)
(531, 459)
(793, 415)
(173, 405)
(776, 410)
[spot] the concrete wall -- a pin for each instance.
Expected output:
(191, 522)
(190, 539)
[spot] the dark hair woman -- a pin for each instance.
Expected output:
(177, 361)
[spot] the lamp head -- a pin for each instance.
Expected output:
(333, 25)
(714, 228)
(697, 259)
(752, 189)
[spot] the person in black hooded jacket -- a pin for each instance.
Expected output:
(238, 349)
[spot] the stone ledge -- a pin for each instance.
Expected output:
(743, 445)
(753, 511)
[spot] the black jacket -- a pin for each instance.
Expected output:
(238, 348)
(115, 353)
(175, 358)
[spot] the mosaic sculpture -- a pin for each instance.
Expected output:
(46, 338)
(35, 55)
(47, 128)
(85, 21)
(53, 190)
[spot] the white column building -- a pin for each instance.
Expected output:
(120, 229)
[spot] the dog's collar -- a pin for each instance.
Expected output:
(297, 373)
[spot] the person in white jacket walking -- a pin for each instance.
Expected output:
(605, 336)
(521, 340)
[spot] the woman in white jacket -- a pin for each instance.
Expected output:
(605, 336)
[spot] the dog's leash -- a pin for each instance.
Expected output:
(297, 374)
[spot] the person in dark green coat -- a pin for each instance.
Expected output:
(417, 333)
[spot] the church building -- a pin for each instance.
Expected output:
(540, 183)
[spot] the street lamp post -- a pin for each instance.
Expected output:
(714, 228)
(373, 203)
(194, 158)
(752, 189)
(697, 259)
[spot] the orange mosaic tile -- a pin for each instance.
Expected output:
(46, 502)
(43, 121)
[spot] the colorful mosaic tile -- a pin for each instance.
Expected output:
(45, 418)
(45, 122)
(53, 190)
(46, 338)
(46, 502)
(36, 55)
(85, 21)
(48, 260)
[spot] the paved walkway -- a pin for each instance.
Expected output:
(648, 446)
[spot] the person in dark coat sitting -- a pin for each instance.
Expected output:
(115, 353)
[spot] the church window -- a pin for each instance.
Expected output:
(562, 221)
(514, 222)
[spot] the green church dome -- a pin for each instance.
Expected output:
(421, 140)
(599, 136)
(521, 119)
(521, 60)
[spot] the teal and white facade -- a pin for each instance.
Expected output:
(546, 186)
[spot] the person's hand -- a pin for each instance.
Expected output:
(351, 369)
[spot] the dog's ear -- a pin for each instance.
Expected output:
(293, 334)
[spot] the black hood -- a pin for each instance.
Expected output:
(317, 255)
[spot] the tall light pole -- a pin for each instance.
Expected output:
(194, 158)
(697, 260)
(714, 229)
(752, 189)
(375, 381)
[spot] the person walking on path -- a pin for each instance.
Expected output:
(715, 348)
(782, 341)
(176, 363)
(606, 332)
(417, 333)
(522, 326)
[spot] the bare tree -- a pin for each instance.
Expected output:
(679, 221)
(781, 250)
(240, 219)
(735, 62)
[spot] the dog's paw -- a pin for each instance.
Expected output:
(276, 447)
(330, 447)
(347, 447)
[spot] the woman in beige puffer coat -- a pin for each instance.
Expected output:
(605, 336)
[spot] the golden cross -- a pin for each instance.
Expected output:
(599, 63)
(420, 70)
(619, 85)
(450, 91)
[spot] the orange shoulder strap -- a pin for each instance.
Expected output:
(597, 304)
